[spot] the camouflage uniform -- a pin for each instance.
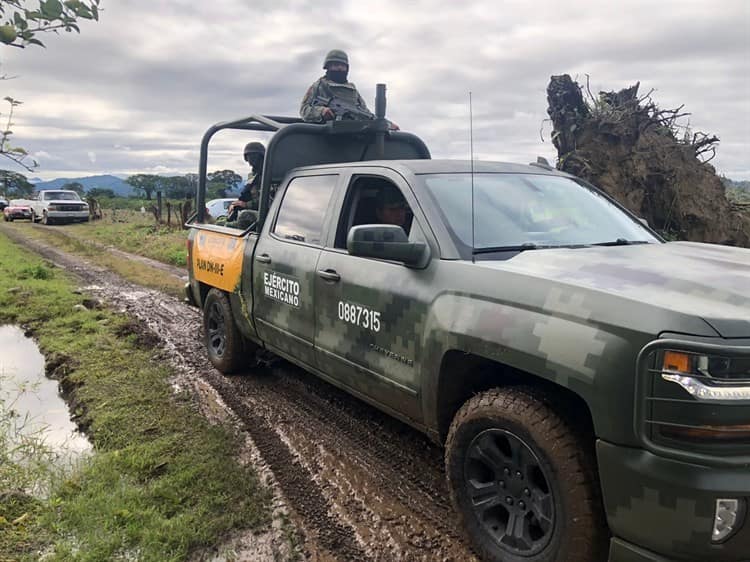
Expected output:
(325, 88)
(247, 195)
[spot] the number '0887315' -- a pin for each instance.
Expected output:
(359, 316)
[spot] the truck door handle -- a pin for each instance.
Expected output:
(329, 275)
(263, 258)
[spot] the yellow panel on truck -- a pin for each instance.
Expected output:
(217, 260)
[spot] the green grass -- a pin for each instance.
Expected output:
(162, 480)
(75, 239)
(136, 233)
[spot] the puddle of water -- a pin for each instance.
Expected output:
(33, 397)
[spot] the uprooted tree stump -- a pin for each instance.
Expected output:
(641, 156)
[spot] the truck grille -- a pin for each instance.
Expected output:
(69, 207)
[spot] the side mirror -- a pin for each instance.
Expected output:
(386, 242)
(644, 222)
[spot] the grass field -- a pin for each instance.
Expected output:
(90, 240)
(137, 233)
(162, 481)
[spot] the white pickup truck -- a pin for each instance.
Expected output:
(58, 205)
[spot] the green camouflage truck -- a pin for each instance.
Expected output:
(589, 381)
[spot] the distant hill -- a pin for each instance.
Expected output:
(105, 182)
(737, 184)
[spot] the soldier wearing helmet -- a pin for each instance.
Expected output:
(254, 155)
(331, 86)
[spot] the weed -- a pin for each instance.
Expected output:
(161, 482)
(38, 271)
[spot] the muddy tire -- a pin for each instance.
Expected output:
(523, 481)
(45, 218)
(223, 340)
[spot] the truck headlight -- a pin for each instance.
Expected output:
(708, 377)
(720, 391)
(52, 208)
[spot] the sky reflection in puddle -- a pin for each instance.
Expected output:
(33, 397)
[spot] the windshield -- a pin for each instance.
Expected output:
(61, 196)
(525, 211)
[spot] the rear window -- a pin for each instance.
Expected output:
(304, 207)
(61, 196)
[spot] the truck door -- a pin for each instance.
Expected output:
(371, 312)
(284, 266)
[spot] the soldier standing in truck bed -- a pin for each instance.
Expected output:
(332, 86)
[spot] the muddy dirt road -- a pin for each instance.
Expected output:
(358, 484)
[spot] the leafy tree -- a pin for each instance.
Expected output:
(226, 178)
(215, 190)
(23, 22)
(74, 186)
(146, 183)
(101, 192)
(20, 25)
(177, 187)
(192, 180)
(15, 185)
(14, 153)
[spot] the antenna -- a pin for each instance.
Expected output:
(471, 163)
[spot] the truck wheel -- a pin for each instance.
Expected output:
(523, 481)
(223, 339)
(45, 218)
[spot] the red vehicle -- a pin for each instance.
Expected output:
(17, 209)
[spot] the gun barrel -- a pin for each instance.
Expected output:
(380, 101)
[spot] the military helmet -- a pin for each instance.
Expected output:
(254, 147)
(336, 55)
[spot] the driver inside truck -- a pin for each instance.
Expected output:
(392, 208)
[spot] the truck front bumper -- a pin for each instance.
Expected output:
(68, 215)
(663, 510)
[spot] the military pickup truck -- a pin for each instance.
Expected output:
(589, 381)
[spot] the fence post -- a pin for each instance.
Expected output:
(158, 206)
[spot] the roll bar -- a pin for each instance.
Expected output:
(296, 143)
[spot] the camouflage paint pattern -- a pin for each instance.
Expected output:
(347, 92)
(667, 506)
(575, 317)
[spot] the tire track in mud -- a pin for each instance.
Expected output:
(397, 484)
(360, 484)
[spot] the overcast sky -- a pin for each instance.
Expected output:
(134, 92)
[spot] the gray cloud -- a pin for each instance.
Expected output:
(153, 76)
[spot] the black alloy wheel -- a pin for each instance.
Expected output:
(523, 479)
(223, 340)
(510, 491)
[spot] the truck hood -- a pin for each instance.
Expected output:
(704, 280)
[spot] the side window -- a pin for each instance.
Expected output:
(304, 207)
(373, 200)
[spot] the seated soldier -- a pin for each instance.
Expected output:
(243, 211)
